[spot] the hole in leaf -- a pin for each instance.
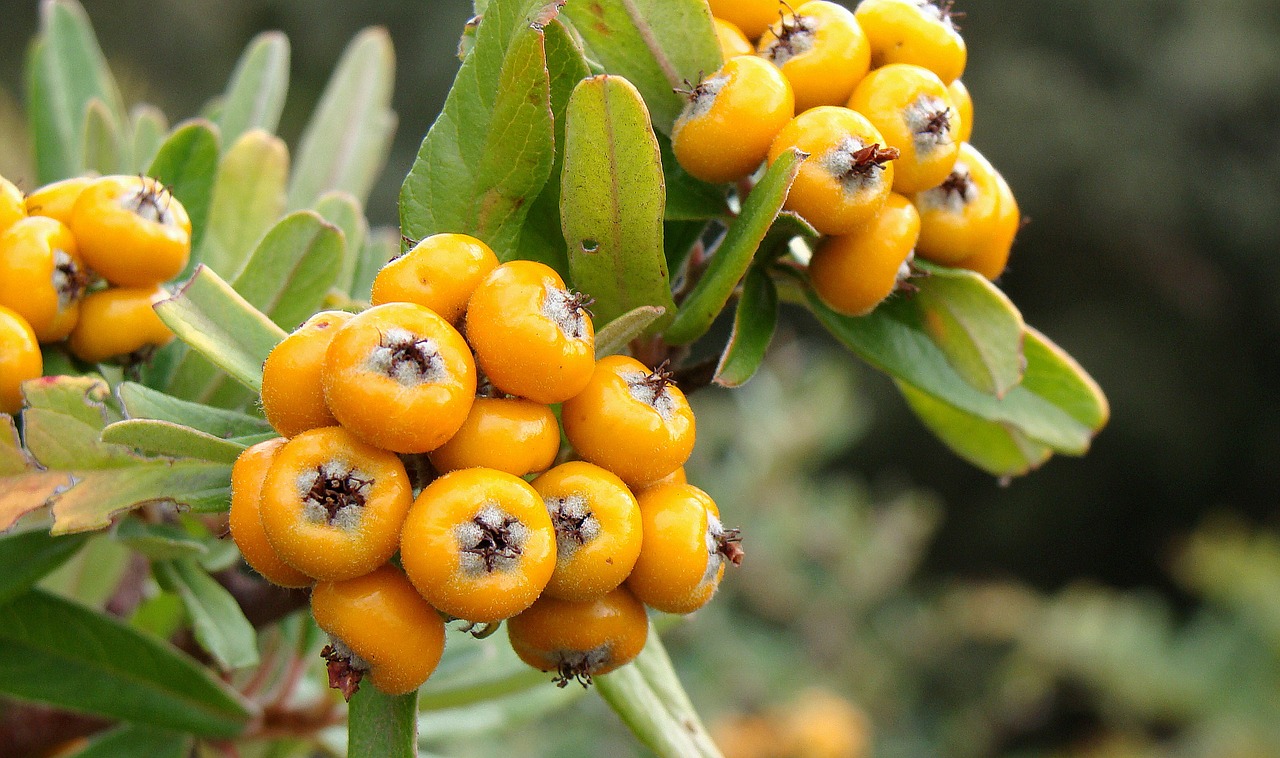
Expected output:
(590, 246)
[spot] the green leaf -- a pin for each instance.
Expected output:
(255, 94)
(291, 271)
(142, 402)
(612, 199)
(248, 197)
(101, 140)
(93, 574)
(753, 325)
(167, 438)
(63, 654)
(379, 248)
(656, 44)
(542, 239)
(689, 199)
(729, 262)
(26, 557)
(618, 333)
(149, 129)
(65, 72)
(491, 150)
(86, 480)
(998, 448)
(678, 239)
(501, 714)
(186, 163)
(346, 142)
(1056, 405)
(381, 725)
(344, 211)
(219, 624)
(975, 324)
(136, 741)
(159, 542)
(223, 327)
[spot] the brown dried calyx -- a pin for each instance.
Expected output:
(408, 358)
(729, 545)
(794, 37)
(959, 184)
(346, 670)
(495, 540)
(577, 666)
(869, 159)
(937, 124)
(152, 201)
(336, 496)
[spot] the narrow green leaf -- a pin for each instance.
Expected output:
(346, 142)
(381, 725)
(379, 248)
(689, 199)
(473, 671)
(142, 402)
(293, 268)
(248, 197)
(655, 666)
(186, 163)
(91, 576)
(656, 44)
(490, 152)
(222, 326)
(612, 199)
(137, 742)
(344, 211)
(501, 714)
(731, 259)
(753, 325)
(65, 71)
(167, 438)
(150, 126)
(777, 242)
(100, 139)
(678, 239)
(542, 239)
(26, 557)
(219, 624)
(975, 324)
(630, 696)
(63, 654)
(618, 333)
(159, 542)
(256, 92)
(998, 448)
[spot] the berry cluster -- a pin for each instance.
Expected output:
(874, 99)
(402, 435)
(83, 260)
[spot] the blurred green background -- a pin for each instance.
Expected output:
(1123, 604)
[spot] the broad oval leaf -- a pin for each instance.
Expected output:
(1056, 405)
(612, 199)
(292, 269)
(64, 654)
(975, 325)
(491, 150)
(256, 92)
(187, 162)
(753, 325)
(65, 71)
(346, 142)
(220, 626)
(998, 448)
(656, 44)
(731, 259)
